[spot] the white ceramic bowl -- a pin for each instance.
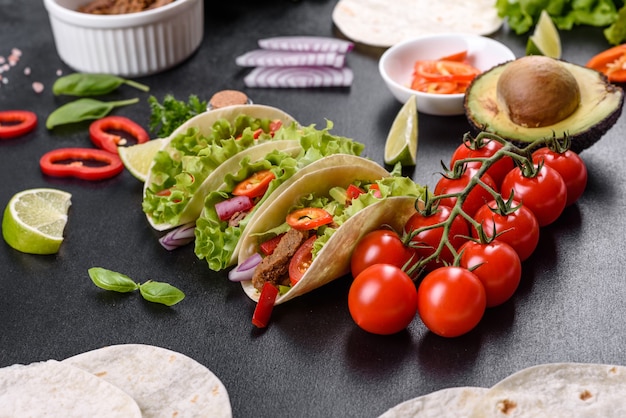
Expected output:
(133, 44)
(396, 66)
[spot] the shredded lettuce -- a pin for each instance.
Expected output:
(216, 240)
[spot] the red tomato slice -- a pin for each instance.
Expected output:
(308, 218)
(256, 185)
(353, 192)
(435, 87)
(460, 56)
(301, 260)
(611, 62)
(440, 70)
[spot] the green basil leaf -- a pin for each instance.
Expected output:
(111, 280)
(83, 109)
(86, 84)
(159, 292)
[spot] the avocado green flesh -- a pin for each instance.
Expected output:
(600, 106)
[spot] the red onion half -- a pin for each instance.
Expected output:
(306, 43)
(299, 77)
(271, 58)
(226, 209)
(245, 270)
(178, 237)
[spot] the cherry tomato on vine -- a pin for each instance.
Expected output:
(382, 299)
(498, 169)
(519, 229)
(426, 242)
(477, 197)
(497, 265)
(544, 194)
(381, 246)
(570, 166)
(451, 301)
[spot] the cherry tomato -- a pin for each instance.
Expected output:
(382, 299)
(428, 240)
(14, 123)
(498, 169)
(519, 229)
(451, 301)
(308, 218)
(301, 260)
(477, 197)
(545, 194)
(256, 185)
(498, 267)
(381, 246)
(570, 166)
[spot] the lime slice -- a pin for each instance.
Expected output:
(34, 220)
(401, 144)
(137, 158)
(545, 40)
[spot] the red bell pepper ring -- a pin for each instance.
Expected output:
(101, 134)
(265, 305)
(81, 163)
(14, 123)
(308, 218)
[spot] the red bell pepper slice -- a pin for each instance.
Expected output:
(256, 185)
(308, 218)
(265, 305)
(268, 247)
(14, 123)
(101, 132)
(81, 163)
(301, 260)
(353, 192)
(611, 62)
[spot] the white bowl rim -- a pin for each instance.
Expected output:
(115, 21)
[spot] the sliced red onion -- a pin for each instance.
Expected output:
(306, 43)
(245, 270)
(226, 209)
(299, 77)
(270, 58)
(178, 237)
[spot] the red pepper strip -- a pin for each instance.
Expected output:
(99, 131)
(14, 123)
(265, 305)
(308, 218)
(268, 247)
(353, 192)
(611, 62)
(71, 162)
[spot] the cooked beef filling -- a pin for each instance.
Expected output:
(275, 267)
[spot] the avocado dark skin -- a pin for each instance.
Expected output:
(599, 107)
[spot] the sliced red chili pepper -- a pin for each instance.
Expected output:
(269, 246)
(301, 260)
(14, 123)
(265, 305)
(611, 62)
(103, 136)
(82, 163)
(256, 185)
(308, 218)
(354, 191)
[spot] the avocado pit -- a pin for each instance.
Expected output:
(537, 91)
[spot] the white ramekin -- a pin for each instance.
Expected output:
(131, 45)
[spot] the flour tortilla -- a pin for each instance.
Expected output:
(332, 261)
(456, 402)
(164, 383)
(55, 389)
(384, 23)
(559, 389)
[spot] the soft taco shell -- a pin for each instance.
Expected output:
(164, 383)
(333, 261)
(55, 389)
(557, 390)
(456, 402)
(204, 122)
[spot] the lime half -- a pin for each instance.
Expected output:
(34, 220)
(545, 40)
(401, 144)
(138, 158)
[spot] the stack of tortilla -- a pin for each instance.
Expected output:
(548, 390)
(126, 381)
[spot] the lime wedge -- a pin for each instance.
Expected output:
(137, 158)
(545, 40)
(34, 220)
(401, 144)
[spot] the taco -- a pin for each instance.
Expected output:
(296, 247)
(180, 173)
(249, 189)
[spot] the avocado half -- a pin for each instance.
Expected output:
(600, 106)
